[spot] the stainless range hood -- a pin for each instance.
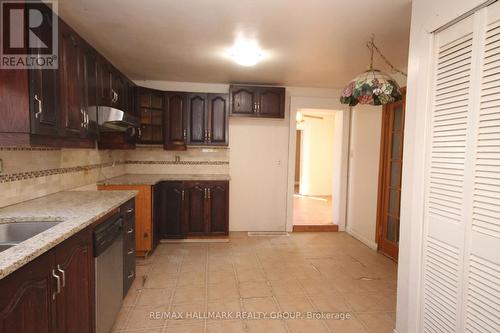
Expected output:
(112, 119)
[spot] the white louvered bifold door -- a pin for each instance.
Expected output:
(461, 251)
(482, 288)
(444, 213)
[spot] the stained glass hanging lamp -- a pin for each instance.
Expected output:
(372, 87)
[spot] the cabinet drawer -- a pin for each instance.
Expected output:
(128, 209)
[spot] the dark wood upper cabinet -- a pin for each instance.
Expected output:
(257, 101)
(197, 119)
(74, 263)
(27, 304)
(218, 119)
(44, 98)
(271, 102)
(70, 81)
(150, 109)
(175, 121)
(243, 100)
(169, 209)
(208, 121)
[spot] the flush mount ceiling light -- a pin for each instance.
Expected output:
(372, 87)
(246, 52)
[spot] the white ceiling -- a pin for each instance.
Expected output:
(313, 43)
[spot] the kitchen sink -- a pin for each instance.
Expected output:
(16, 232)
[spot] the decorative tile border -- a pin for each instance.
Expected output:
(13, 177)
(179, 162)
(28, 148)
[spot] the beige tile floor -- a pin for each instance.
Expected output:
(313, 210)
(321, 273)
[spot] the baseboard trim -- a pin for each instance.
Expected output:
(316, 228)
(372, 245)
(196, 240)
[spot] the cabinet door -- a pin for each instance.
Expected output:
(271, 102)
(218, 198)
(44, 87)
(118, 87)
(103, 83)
(196, 217)
(218, 116)
(243, 100)
(169, 210)
(74, 263)
(70, 81)
(89, 91)
(175, 131)
(197, 119)
(150, 107)
(27, 304)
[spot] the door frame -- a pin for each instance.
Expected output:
(342, 126)
(385, 148)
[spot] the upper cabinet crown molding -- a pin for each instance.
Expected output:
(257, 101)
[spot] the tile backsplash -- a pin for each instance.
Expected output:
(34, 172)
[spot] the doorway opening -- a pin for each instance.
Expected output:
(314, 170)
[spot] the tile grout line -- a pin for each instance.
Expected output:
(171, 301)
(242, 308)
(311, 302)
(271, 287)
(207, 253)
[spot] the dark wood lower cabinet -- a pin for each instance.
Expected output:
(169, 206)
(192, 209)
(196, 209)
(75, 301)
(26, 304)
(218, 208)
(53, 293)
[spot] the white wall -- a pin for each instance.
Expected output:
(363, 173)
(258, 169)
(317, 153)
(427, 15)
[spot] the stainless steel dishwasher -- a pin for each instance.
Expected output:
(108, 253)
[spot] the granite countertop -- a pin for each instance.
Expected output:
(152, 179)
(75, 210)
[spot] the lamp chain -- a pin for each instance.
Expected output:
(371, 46)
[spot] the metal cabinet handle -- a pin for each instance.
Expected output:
(185, 134)
(131, 251)
(255, 107)
(140, 132)
(130, 210)
(63, 275)
(182, 194)
(209, 193)
(205, 193)
(131, 275)
(129, 231)
(87, 118)
(58, 290)
(83, 118)
(40, 110)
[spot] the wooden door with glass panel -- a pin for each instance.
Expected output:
(391, 163)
